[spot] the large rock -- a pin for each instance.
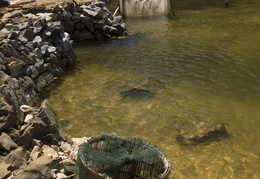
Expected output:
(43, 125)
(18, 158)
(202, 132)
(39, 168)
(6, 142)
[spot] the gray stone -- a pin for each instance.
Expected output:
(15, 44)
(66, 15)
(10, 27)
(22, 39)
(37, 39)
(14, 68)
(48, 76)
(35, 72)
(117, 20)
(13, 133)
(106, 33)
(12, 35)
(49, 152)
(16, 13)
(28, 34)
(5, 173)
(27, 70)
(40, 83)
(79, 26)
(25, 24)
(8, 50)
(35, 153)
(202, 132)
(51, 49)
(38, 53)
(7, 118)
(68, 26)
(39, 65)
(18, 158)
(99, 24)
(65, 147)
(66, 42)
(89, 12)
(44, 49)
(86, 35)
(6, 142)
(38, 25)
(99, 35)
(69, 166)
(39, 168)
(76, 35)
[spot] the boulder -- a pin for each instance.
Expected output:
(202, 132)
(18, 158)
(39, 168)
(6, 142)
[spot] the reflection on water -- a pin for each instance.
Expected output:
(202, 64)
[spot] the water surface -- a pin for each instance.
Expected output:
(203, 64)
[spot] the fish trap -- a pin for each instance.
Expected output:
(113, 157)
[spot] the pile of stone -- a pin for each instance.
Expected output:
(34, 49)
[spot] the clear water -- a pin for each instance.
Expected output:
(204, 64)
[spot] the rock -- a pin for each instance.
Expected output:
(39, 168)
(69, 166)
(5, 173)
(66, 15)
(10, 27)
(86, 35)
(14, 68)
(8, 51)
(13, 133)
(12, 35)
(75, 146)
(28, 118)
(49, 152)
(89, 12)
(38, 25)
(61, 176)
(69, 26)
(202, 132)
(66, 147)
(35, 153)
(6, 142)
(37, 39)
(25, 24)
(7, 118)
(80, 26)
(18, 158)
(49, 118)
(28, 34)
(99, 35)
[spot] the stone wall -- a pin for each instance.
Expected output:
(34, 49)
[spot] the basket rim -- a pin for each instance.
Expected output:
(161, 154)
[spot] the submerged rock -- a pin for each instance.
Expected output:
(202, 132)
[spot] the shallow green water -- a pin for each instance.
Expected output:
(203, 64)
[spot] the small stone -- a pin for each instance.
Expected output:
(37, 39)
(28, 118)
(49, 152)
(35, 153)
(66, 147)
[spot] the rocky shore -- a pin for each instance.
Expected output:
(35, 46)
